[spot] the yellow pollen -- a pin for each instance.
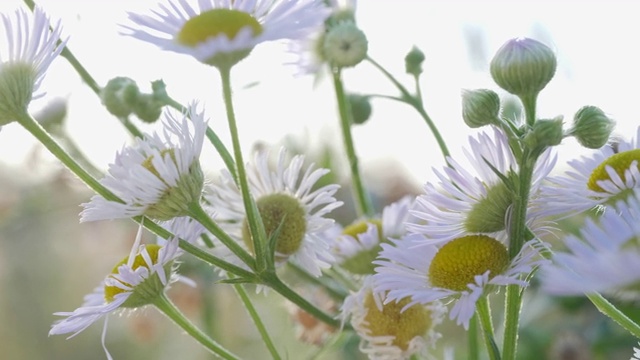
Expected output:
(111, 291)
(620, 162)
(404, 325)
(148, 162)
(361, 263)
(274, 210)
(458, 261)
(215, 22)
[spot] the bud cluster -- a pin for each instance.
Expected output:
(122, 97)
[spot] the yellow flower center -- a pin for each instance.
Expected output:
(148, 162)
(276, 209)
(488, 214)
(404, 325)
(619, 162)
(361, 263)
(215, 22)
(111, 291)
(458, 261)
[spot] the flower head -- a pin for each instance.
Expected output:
(359, 243)
(467, 203)
(31, 47)
(391, 330)
(138, 280)
(604, 258)
(223, 32)
(608, 175)
(460, 271)
(282, 193)
(158, 177)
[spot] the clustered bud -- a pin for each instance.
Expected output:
(591, 127)
(480, 107)
(360, 107)
(413, 61)
(523, 66)
(122, 97)
(545, 133)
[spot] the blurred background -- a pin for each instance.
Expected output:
(48, 261)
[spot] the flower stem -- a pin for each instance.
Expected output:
(168, 308)
(614, 313)
(416, 103)
(363, 203)
(257, 321)
(472, 336)
(256, 228)
(484, 316)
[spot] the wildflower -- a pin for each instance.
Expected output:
(636, 353)
(159, 177)
(359, 243)
(604, 258)
(31, 47)
(465, 203)
(391, 330)
(138, 280)
(221, 33)
(460, 271)
(282, 194)
(608, 175)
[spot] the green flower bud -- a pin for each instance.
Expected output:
(591, 127)
(523, 66)
(345, 45)
(480, 107)
(119, 96)
(52, 116)
(545, 133)
(147, 108)
(413, 61)
(360, 108)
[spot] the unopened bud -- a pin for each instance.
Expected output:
(413, 61)
(480, 107)
(52, 116)
(523, 66)
(545, 133)
(345, 45)
(591, 127)
(147, 108)
(360, 108)
(119, 96)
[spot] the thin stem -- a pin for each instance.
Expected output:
(338, 294)
(416, 102)
(483, 311)
(363, 203)
(529, 103)
(214, 139)
(614, 313)
(257, 321)
(258, 234)
(168, 308)
(472, 336)
(76, 153)
(198, 213)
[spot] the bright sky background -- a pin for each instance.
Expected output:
(596, 44)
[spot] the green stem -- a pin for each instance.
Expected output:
(363, 203)
(338, 294)
(77, 154)
(257, 321)
(472, 336)
(529, 103)
(282, 289)
(168, 308)
(483, 311)
(214, 139)
(264, 260)
(615, 314)
(198, 213)
(418, 105)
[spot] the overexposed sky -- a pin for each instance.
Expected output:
(595, 42)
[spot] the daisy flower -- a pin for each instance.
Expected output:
(138, 280)
(636, 353)
(608, 175)
(604, 258)
(159, 177)
(31, 47)
(460, 271)
(391, 331)
(464, 202)
(359, 243)
(223, 32)
(183, 227)
(282, 193)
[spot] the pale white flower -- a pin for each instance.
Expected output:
(31, 47)
(459, 272)
(474, 201)
(604, 258)
(282, 191)
(636, 353)
(159, 177)
(392, 331)
(217, 31)
(609, 174)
